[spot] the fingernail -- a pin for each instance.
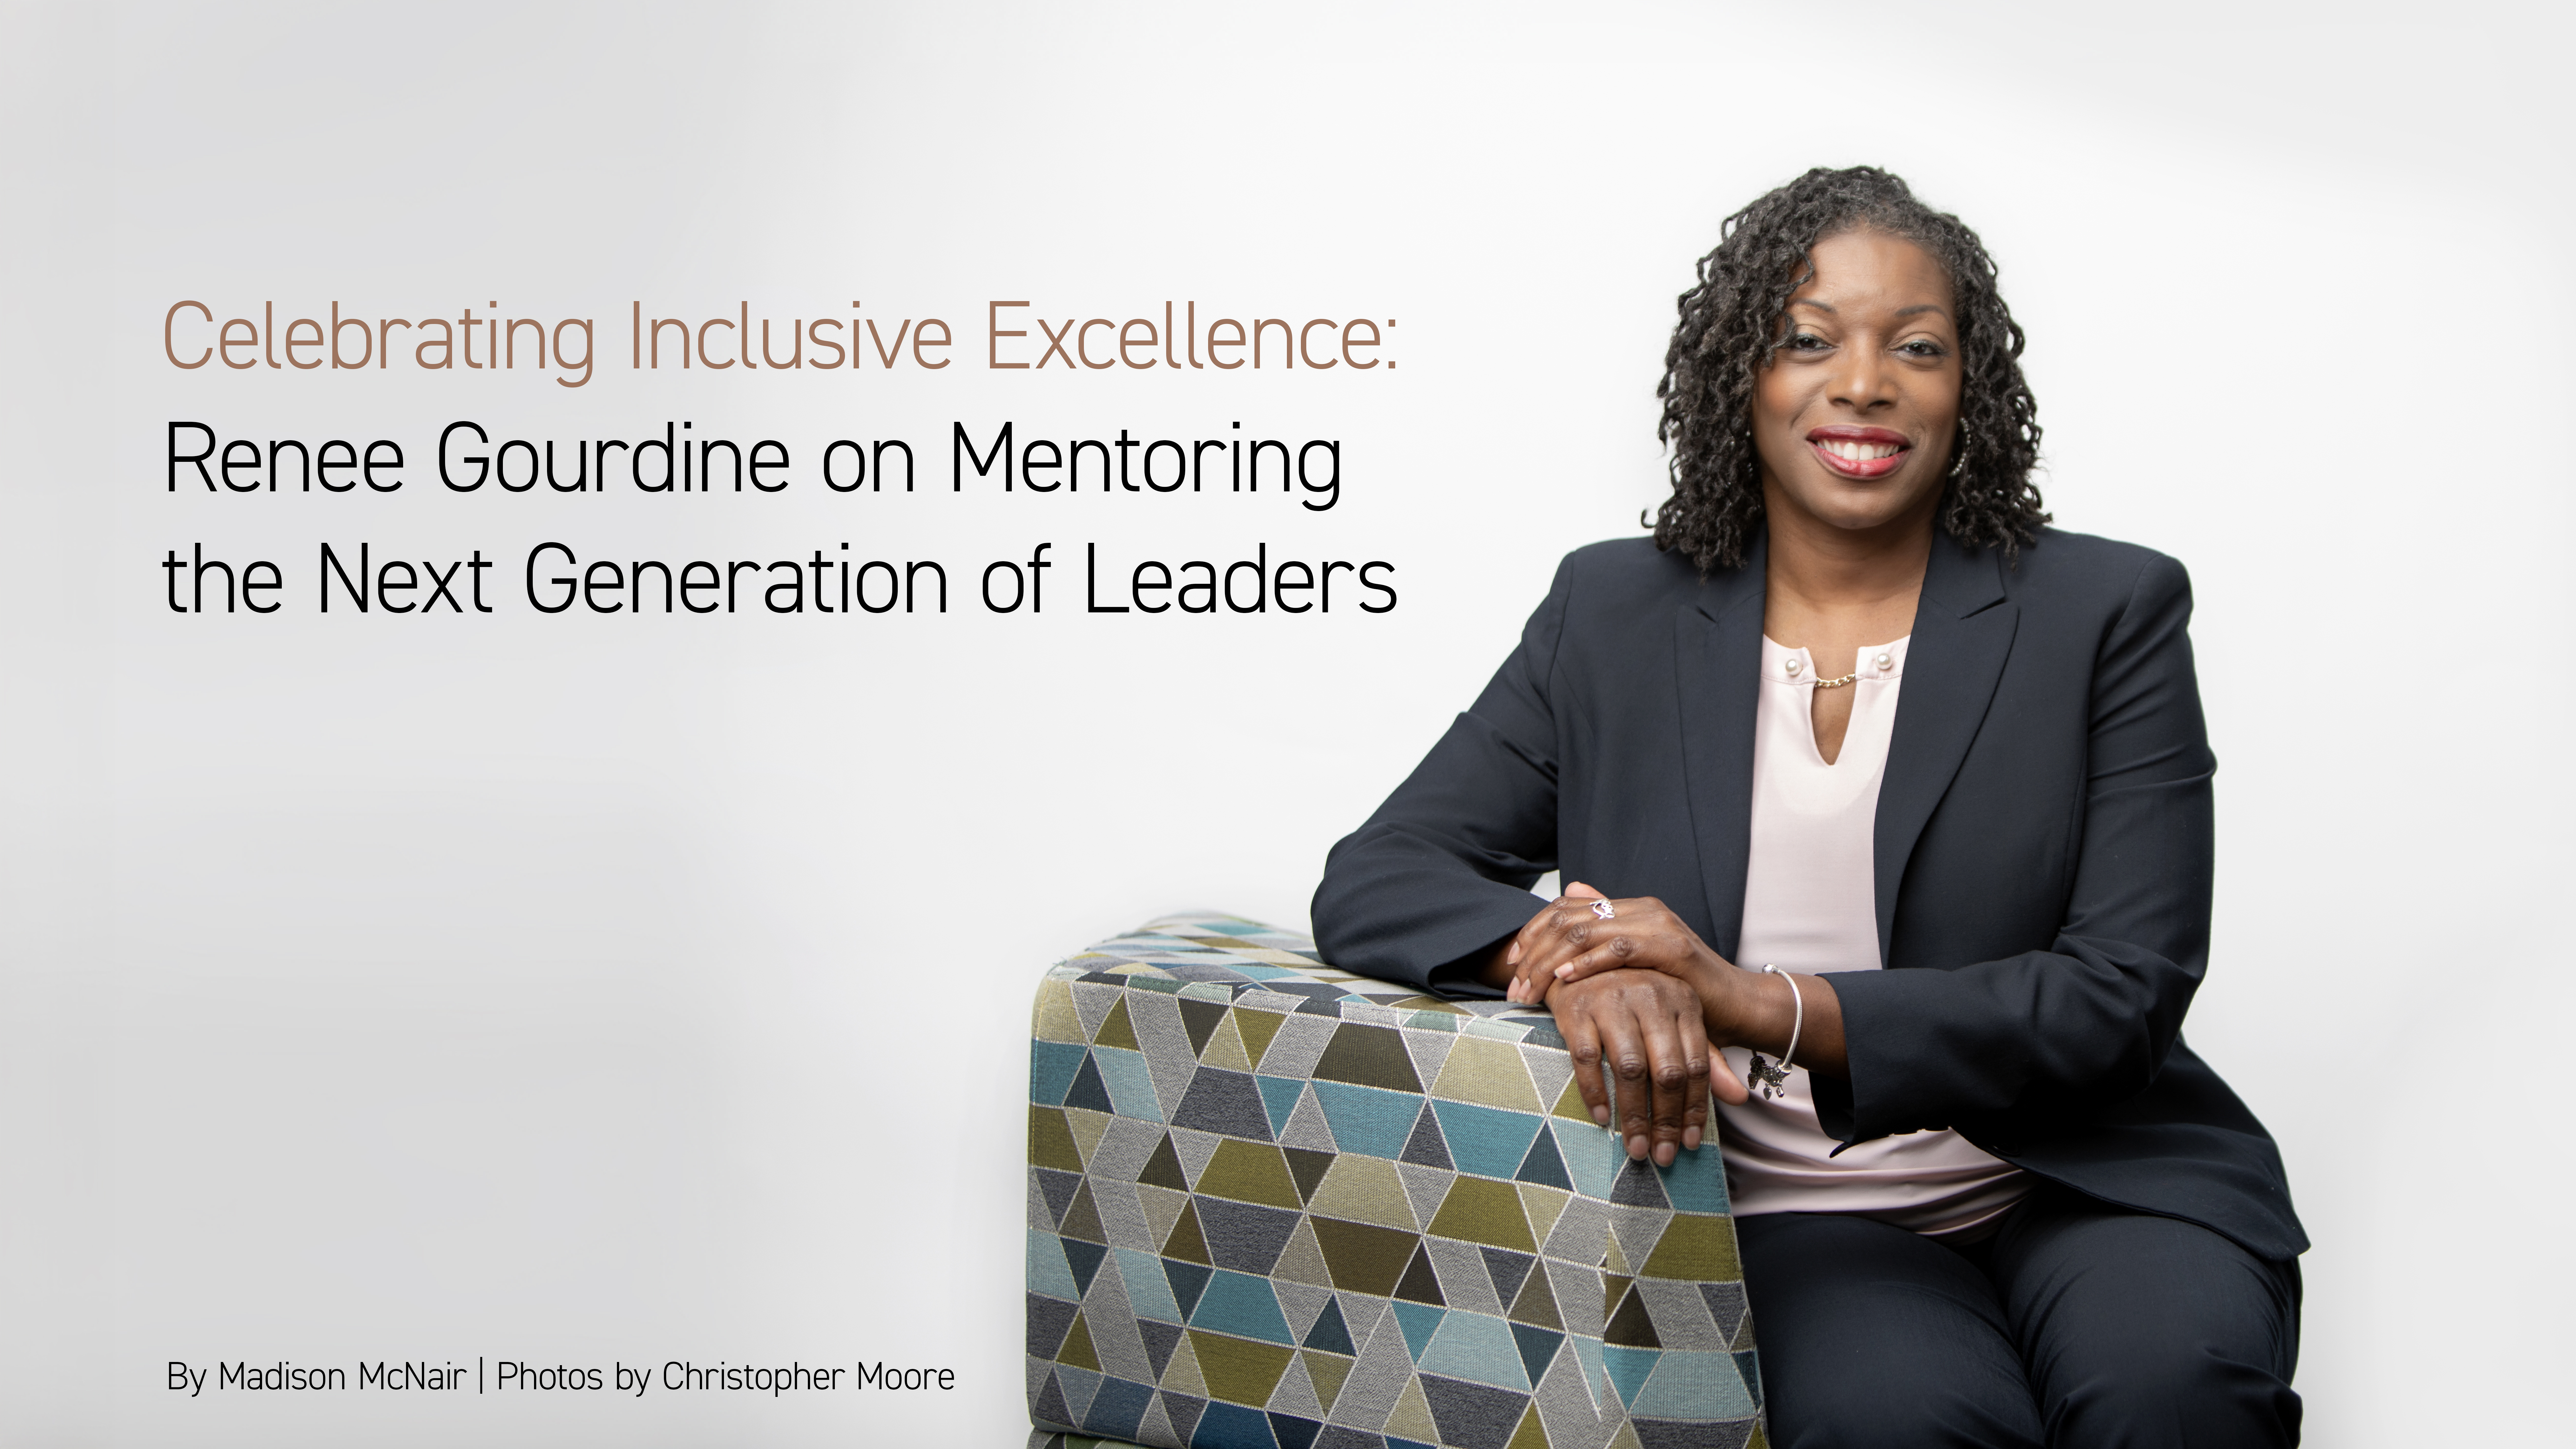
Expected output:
(1664, 1154)
(1561, 970)
(1513, 956)
(1637, 1148)
(1601, 1115)
(1690, 1138)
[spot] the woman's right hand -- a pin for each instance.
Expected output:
(1644, 1028)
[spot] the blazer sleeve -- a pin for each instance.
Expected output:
(1441, 873)
(2012, 1050)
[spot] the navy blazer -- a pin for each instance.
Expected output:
(2042, 850)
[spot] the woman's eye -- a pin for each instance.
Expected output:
(1806, 342)
(1919, 348)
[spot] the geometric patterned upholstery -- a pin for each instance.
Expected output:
(1279, 1206)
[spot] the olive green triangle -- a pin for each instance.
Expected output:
(1077, 1349)
(1536, 1305)
(1614, 1286)
(1327, 1370)
(1082, 1219)
(1258, 1027)
(1187, 1242)
(1115, 1029)
(1700, 1249)
(1051, 1141)
(1569, 1105)
(1163, 1167)
(1531, 1434)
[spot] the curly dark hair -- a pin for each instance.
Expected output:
(1731, 324)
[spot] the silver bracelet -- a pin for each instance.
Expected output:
(1773, 1081)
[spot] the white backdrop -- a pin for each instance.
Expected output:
(578, 989)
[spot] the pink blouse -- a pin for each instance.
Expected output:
(1809, 906)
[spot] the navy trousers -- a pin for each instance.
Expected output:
(2075, 1326)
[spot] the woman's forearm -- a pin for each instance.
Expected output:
(1755, 1009)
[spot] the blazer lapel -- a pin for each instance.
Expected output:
(1963, 631)
(1717, 649)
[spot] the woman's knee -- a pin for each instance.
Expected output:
(2174, 1395)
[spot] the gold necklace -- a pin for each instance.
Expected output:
(1835, 683)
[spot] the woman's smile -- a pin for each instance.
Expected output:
(1859, 452)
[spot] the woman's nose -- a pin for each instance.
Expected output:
(1861, 378)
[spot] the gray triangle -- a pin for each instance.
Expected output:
(1122, 1222)
(1463, 1280)
(1360, 1314)
(1296, 1393)
(1194, 1149)
(1113, 1325)
(1569, 1409)
(1550, 1069)
(1302, 1302)
(1581, 1231)
(1079, 1385)
(1123, 1149)
(1680, 1316)
(1429, 1049)
(1168, 1054)
(1298, 1046)
(1424, 1187)
(1384, 1368)
(1038, 1369)
(1726, 1307)
(1091, 1002)
(1157, 1425)
(1577, 1291)
(1639, 1229)
(1041, 1217)
(1306, 1125)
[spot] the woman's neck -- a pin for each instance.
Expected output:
(1820, 567)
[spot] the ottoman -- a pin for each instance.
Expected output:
(1274, 1204)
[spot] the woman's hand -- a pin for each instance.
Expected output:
(1570, 939)
(1570, 942)
(1643, 1028)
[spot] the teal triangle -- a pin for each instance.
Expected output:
(1545, 1164)
(1420, 1321)
(1537, 1346)
(1628, 1368)
(1330, 1332)
(1279, 1098)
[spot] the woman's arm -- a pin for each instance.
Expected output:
(2010, 1048)
(1441, 873)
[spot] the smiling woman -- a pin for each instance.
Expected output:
(1881, 795)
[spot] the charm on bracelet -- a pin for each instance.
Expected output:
(1770, 1082)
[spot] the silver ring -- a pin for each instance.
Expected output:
(1602, 909)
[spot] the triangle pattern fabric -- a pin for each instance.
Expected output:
(1274, 1203)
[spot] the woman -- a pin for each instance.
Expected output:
(1880, 793)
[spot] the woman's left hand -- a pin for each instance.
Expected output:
(1571, 939)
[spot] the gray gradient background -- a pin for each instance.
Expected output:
(558, 988)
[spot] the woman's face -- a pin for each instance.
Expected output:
(1855, 416)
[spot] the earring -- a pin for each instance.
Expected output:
(1959, 468)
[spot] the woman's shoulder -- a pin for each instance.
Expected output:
(2070, 566)
(1623, 574)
